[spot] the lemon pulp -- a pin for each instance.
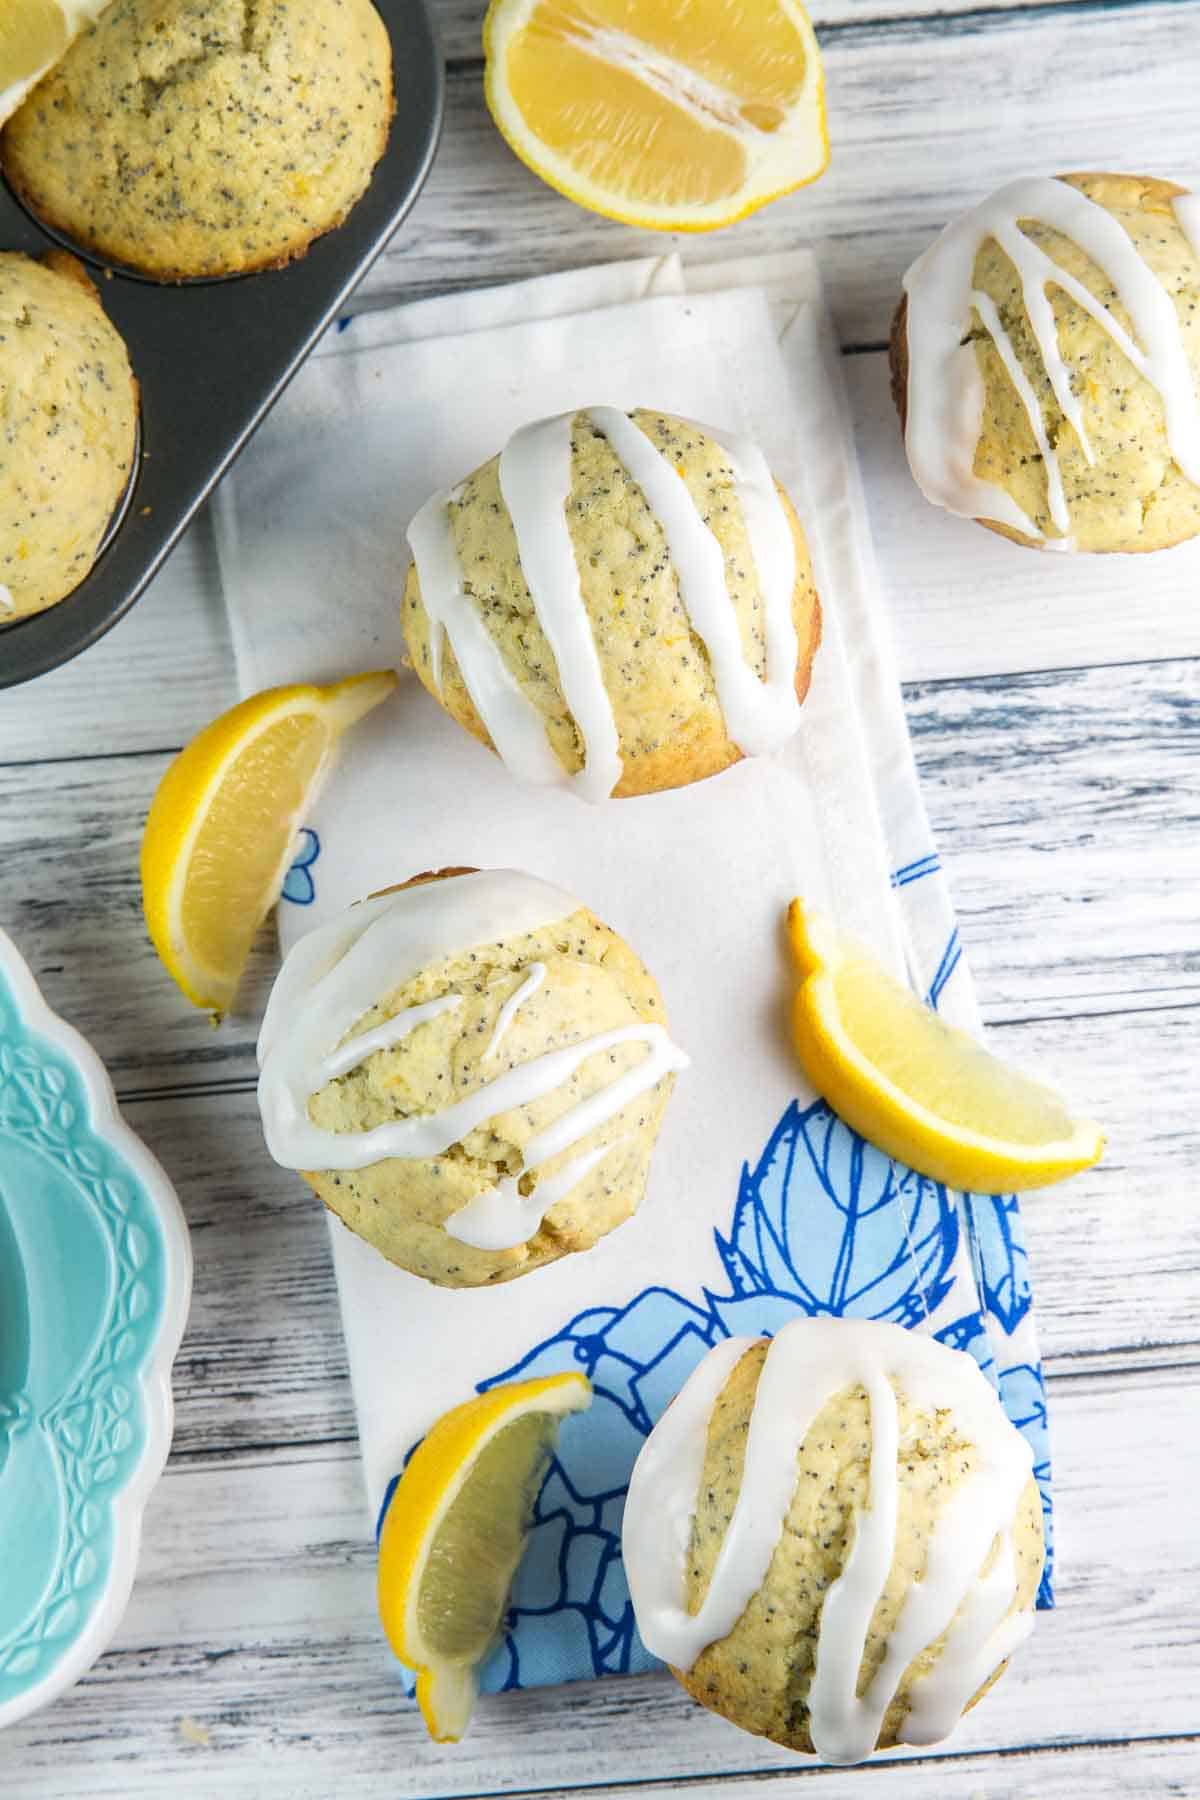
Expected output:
(920, 1090)
(235, 858)
(684, 115)
(465, 1586)
(943, 1069)
(221, 826)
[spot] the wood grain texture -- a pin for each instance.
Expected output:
(1081, 826)
(964, 601)
(167, 668)
(1048, 87)
(1055, 708)
(262, 1259)
(157, 677)
(460, 22)
(1148, 1769)
(253, 1619)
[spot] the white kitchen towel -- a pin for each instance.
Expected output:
(761, 1203)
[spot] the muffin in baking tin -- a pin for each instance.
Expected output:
(68, 421)
(190, 138)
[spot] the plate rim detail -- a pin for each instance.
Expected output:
(127, 1504)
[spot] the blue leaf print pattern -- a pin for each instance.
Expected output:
(917, 870)
(1001, 1264)
(824, 1224)
(298, 885)
(969, 1333)
(1023, 1393)
(875, 1240)
(951, 957)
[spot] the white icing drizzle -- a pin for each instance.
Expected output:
(502, 1217)
(945, 388)
(535, 482)
(514, 724)
(335, 975)
(7, 603)
(985, 1634)
(513, 1005)
(850, 1602)
(808, 1363)
(989, 313)
(393, 1031)
(758, 715)
(774, 551)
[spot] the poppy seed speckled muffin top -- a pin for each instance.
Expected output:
(470, 1071)
(191, 138)
(888, 1545)
(621, 602)
(68, 429)
(1046, 364)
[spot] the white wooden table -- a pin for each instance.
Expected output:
(1055, 708)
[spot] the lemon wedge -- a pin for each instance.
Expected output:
(454, 1533)
(219, 837)
(678, 118)
(33, 35)
(925, 1093)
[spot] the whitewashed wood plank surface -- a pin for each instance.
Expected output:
(279, 1378)
(926, 115)
(158, 676)
(904, 163)
(460, 22)
(1084, 788)
(1163, 1768)
(962, 602)
(253, 1618)
(1065, 801)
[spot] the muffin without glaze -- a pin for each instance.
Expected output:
(1132, 495)
(654, 666)
(591, 983)
(68, 420)
(759, 1673)
(193, 138)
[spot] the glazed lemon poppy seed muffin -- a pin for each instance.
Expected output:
(68, 427)
(206, 137)
(1046, 364)
(834, 1537)
(618, 602)
(470, 1071)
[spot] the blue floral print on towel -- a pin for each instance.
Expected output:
(298, 885)
(823, 1224)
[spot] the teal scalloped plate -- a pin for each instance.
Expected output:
(95, 1276)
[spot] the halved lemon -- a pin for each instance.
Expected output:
(455, 1531)
(33, 35)
(681, 117)
(924, 1092)
(222, 825)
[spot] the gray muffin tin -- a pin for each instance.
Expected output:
(212, 357)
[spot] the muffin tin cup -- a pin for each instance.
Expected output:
(211, 357)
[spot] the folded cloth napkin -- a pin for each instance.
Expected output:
(761, 1203)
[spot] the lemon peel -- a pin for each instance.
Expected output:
(33, 36)
(454, 1533)
(925, 1093)
(671, 118)
(222, 825)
